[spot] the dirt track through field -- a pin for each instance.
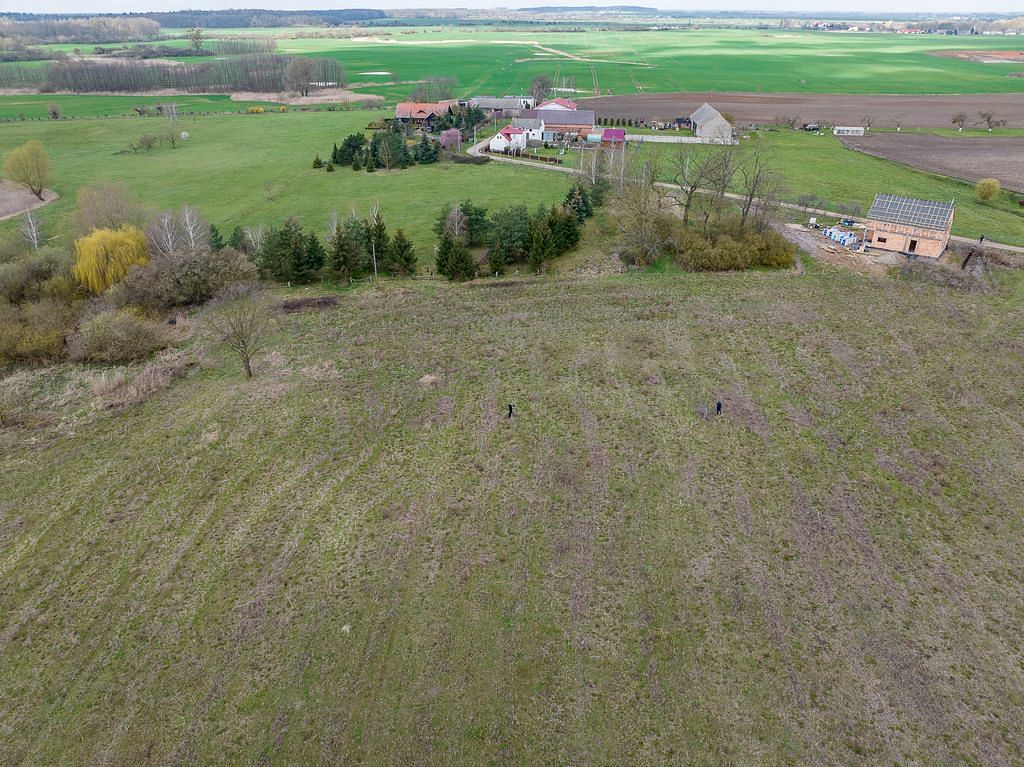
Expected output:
(835, 109)
(966, 157)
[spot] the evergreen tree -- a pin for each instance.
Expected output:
(378, 243)
(330, 166)
(350, 147)
(402, 254)
(445, 252)
(317, 162)
(216, 240)
(290, 256)
(461, 267)
(542, 245)
(497, 257)
(476, 222)
(310, 259)
(565, 229)
(356, 231)
(427, 151)
(334, 155)
(342, 259)
(511, 227)
(237, 239)
(578, 201)
(357, 161)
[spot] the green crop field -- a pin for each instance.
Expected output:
(336, 564)
(498, 61)
(252, 169)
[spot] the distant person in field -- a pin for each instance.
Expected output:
(718, 407)
(510, 406)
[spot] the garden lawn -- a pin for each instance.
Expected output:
(253, 169)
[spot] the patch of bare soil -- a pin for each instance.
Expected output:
(984, 57)
(325, 96)
(296, 305)
(16, 199)
(824, 250)
(836, 109)
(965, 157)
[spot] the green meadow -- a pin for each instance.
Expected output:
(251, 169)
(36, 107)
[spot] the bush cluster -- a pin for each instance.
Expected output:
(728, 249)
(117, 337)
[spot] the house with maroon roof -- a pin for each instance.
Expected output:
(423, 113)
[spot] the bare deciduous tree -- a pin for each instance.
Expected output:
(106, 206)
(255, 236)
(299, 75)
(147, 141)
(692, 166)
(761, 186)
(990, 121)
(721, 173)
(959, 120)
(639, 212)
(171, 137)
(242, 322)
(31, 229)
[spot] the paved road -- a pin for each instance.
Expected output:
(475, 150)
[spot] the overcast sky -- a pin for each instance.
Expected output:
(831, 7)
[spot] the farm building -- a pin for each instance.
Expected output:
(709, 125)
(419, 113)
(533, 127)
(563, 104)
(613, 136)
(847, 131)
(508, 140)
(562, 123)
(507, 106)
(908, 225)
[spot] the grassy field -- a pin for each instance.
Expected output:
(36, 107)
(334, 564)
(822, 165)
(228, 162)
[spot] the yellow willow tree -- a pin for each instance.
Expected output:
(29, 166)
(104, 257)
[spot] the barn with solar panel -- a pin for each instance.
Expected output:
(908, 225)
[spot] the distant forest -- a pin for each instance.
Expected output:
(235, 18)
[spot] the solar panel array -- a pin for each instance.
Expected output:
(911, 212)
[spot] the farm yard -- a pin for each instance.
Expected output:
(829, 573)
(969, 157)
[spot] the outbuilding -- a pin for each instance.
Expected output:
(710, 126)
(840, 130)
(909, 225)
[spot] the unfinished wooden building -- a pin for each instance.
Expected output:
(908, 225)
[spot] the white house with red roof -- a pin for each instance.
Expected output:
(559, 103)
(509, 140)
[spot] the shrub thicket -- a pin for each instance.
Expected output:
(117, 337)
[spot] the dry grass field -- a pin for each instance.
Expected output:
(355, 558)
